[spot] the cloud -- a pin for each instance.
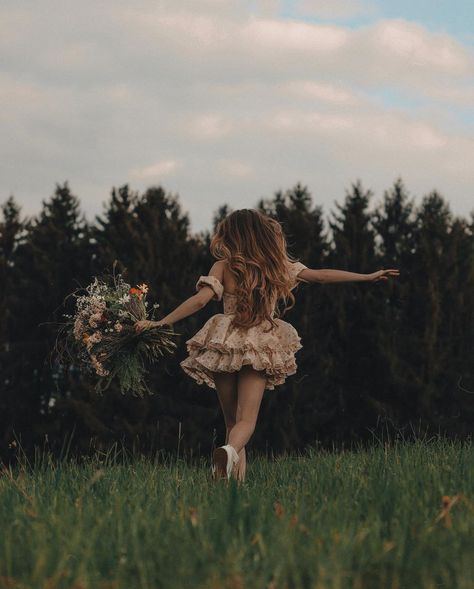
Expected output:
(210, 126)
(156, 171)
(335, 9)
(396, 53)
(322, 91)
(410, 42)
(222, 102)
(287, 36)
(236, 168)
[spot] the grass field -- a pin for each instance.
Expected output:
(363, 519)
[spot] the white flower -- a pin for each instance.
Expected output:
(124, 299)
(51, 402)
(143, 287)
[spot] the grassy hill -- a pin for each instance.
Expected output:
(395, 516)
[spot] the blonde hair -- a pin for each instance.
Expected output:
(255, 249)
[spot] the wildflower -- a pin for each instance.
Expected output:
(278, 507)
(95, 338)
(124, 299)
(193, 516)
(98, 366)
(100, 327)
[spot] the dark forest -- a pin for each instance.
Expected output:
(378, 359)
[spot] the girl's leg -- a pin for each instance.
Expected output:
(226, 386)
(250, 388)
(242, 465)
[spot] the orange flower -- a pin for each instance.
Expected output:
(279, 510)
(136, 291)
(445, 500)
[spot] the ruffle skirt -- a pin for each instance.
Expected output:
(220, 347)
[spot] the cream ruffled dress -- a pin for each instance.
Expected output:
(220, 347)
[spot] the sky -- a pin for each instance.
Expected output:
(225, 101)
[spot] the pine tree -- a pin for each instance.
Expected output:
(354, 308)
(53, 261)
(49, 261)
(11, 231)
(394, 224)
(441, 279)
(221, 213)
(293, 415)
(148, 235)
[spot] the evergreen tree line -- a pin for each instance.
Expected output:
(383, 357)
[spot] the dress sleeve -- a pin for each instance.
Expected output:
(213, 283)
(295, 269)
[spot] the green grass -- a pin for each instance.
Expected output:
(326, 520)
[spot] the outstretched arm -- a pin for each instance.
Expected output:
(327, 275)
(189, 306)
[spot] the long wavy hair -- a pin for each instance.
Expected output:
(255, 249)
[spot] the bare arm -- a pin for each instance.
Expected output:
(327, 275)
(188, 307)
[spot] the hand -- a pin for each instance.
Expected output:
(382, 275)
(146, 324)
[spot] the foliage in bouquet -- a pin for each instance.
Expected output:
(101, 334)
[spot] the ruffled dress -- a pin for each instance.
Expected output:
(221, 347)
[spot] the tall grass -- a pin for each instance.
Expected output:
(395, 516)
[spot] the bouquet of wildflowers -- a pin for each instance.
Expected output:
(102, 334)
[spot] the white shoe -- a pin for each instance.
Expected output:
(223, 461)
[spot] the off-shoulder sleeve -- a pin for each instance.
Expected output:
(295, 269)
(214, 283)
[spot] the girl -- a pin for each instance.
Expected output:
(247, 349)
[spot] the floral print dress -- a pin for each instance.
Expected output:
(221, 347)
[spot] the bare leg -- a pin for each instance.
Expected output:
(242, 465)
(251, 386)
(226, 386)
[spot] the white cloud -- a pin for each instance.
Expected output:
(236, 168)
(210, 126)
(231, 103)
(308, 122)
(156, 171)
(282, 36)
(322, 91)
(335, 9)
(412, 43)
(396, 53)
